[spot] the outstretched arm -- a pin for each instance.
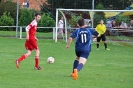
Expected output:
(68, 43)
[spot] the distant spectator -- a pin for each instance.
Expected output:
(114, 24)
(61, 27)
(123, 25)
(108, 25)
(131, 24)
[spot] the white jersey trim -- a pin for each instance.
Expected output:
(33, 23)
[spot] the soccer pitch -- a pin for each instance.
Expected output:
(104, 69)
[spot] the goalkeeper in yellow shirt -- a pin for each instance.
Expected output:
(101, 29)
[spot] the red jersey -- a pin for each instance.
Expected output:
(31, 43)
(32, 27)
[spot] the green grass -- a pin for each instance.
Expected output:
(13, 34)
(104, 69)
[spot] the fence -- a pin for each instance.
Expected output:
(19, 33)
(115, 34)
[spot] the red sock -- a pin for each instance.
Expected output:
(36, 61)
(22, 58)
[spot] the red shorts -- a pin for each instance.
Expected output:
(31, 44)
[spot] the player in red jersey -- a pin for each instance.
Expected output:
(31, 43)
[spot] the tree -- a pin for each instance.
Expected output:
(114, 4)
(121, 18)
(99, 15)
(46, 21)
(25, 17)
(8, 6)
(6, 20)
(73, 21)
(68, 4)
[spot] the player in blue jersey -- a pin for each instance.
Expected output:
(82, 46)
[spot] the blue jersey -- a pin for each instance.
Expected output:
(83, 38)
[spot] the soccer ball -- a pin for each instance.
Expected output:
(50, 60)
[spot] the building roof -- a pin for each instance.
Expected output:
(33, 4)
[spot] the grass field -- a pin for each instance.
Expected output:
(104, 69)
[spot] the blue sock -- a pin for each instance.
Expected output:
(79, 67)
(75, 64)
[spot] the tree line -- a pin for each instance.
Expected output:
(8, 11)
(87, 4)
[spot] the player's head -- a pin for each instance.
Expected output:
(81, 22)
(101, 21)
(37, 17)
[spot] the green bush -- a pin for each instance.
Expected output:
(8, 6)
(25, 17)
(99, 15)
(6, 20)
(46, 21)
(99, 6)
(74, 19)
(33, 12)
(97, 19)
(121, 18)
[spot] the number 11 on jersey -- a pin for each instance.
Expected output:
(83, 38)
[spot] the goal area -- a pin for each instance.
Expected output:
(121, 21)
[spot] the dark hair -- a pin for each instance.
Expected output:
(37, 14)
(81, 22)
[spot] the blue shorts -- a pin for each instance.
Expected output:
(83, 54)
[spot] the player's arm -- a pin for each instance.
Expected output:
(93, 36)
(27, 31)
(95, 33)
(27, 35)
(36, 38)
(97, 27)
(104, 29)
(98, 35)
(73, 35)
(69, 42)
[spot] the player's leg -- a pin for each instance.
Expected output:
(24, 56)
(37, 67)
(76, 61)
(104, 41)
(61, 30)
(98, 42)
(37, 54)
(58, 32)
(75, 64)
(82, 60)
(37, 58)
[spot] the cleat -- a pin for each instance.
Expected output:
(97, 48)
(107, 49)
(17, 63)
(75, 74)
(72, 74)
(38, 68)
